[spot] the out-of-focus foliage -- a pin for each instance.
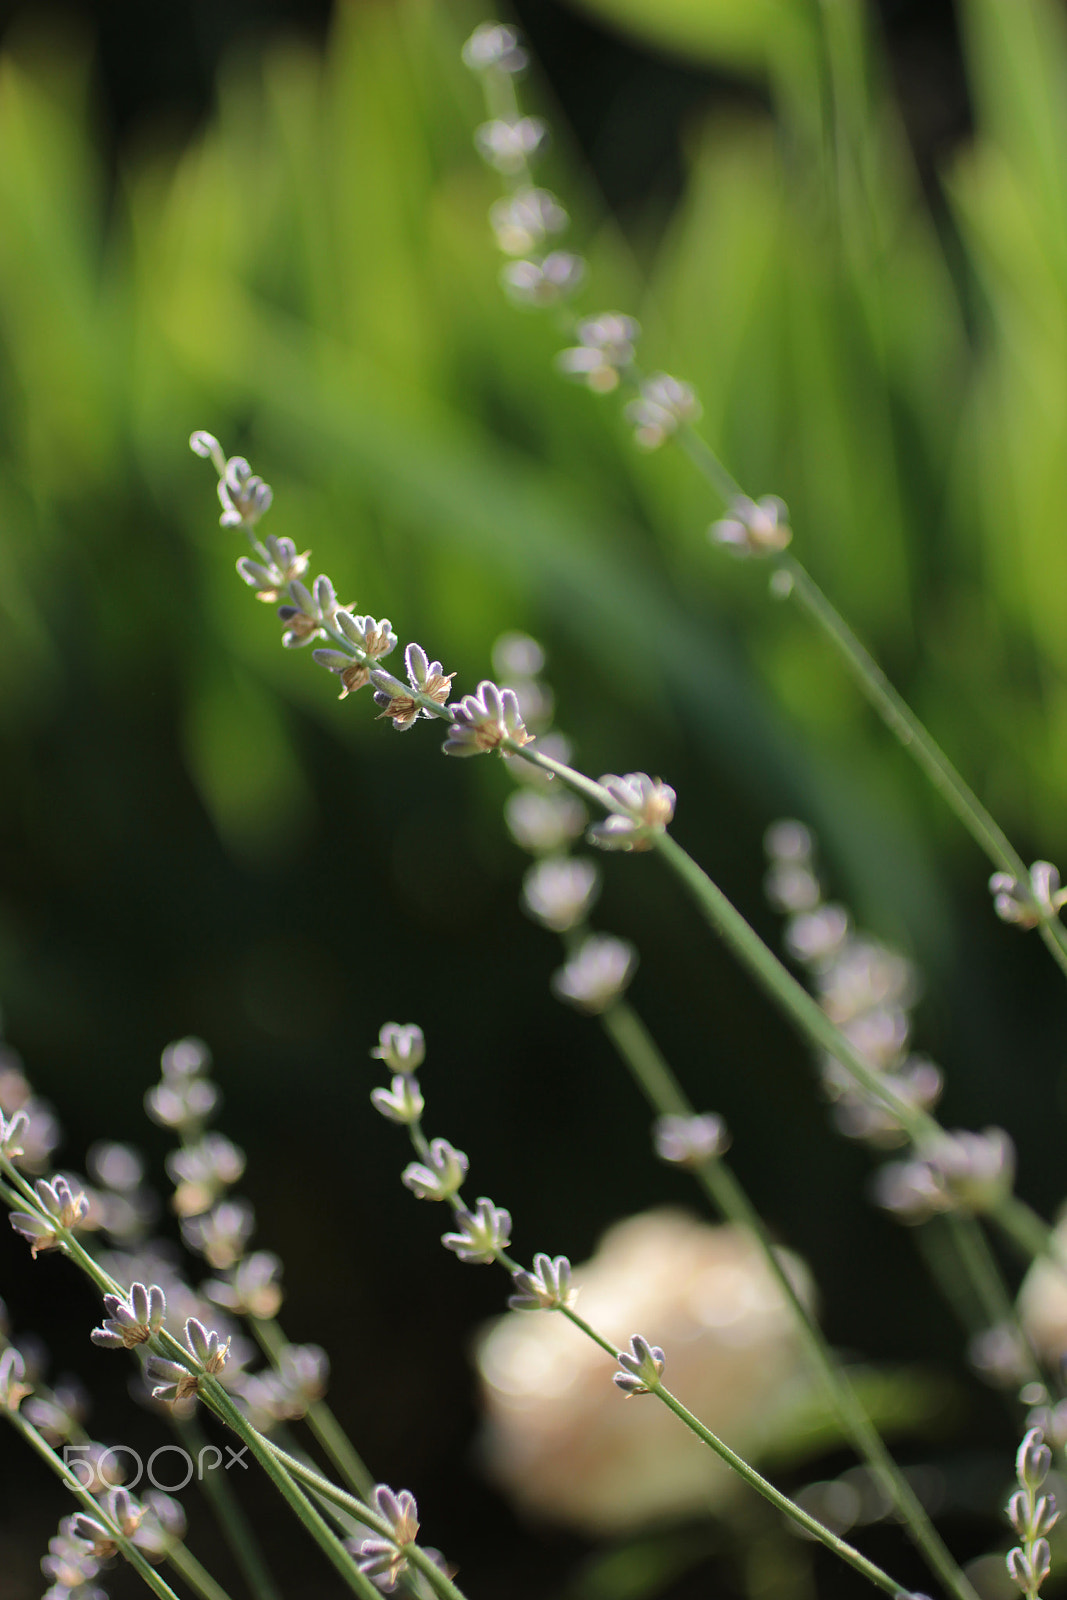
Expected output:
(313, 279)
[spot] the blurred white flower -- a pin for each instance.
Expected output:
(556, 1434)
(1042, 1302)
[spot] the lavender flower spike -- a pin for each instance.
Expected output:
(643, 1365)
(480, 1234)
(483, 721)
(131, 1321)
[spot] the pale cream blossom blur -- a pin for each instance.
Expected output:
(1042, 1302)
(559, 1437)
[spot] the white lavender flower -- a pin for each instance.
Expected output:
(70, 1564)
(13, 1385)
(788, 840)
(547, 1288)
(425, 677)
(597, 974)
(182, 1104)
(522, 221)
(175, 1381)
(643, 1367)
(544, 282)
(690, 1141)
(604, 350)
(402, 1102)
(271, 580)
(508, 143)
(11, 1134)
(124, 1513)
(1028, 903)
(543, 824)
(133, 1320)
(480, 1233)
(440, 1175)
(559, 891)
(221, 1234)
(185, 1058)
(483, 721)
(299, 1381)
(816, 936)
(959, 1171)
(119, 1167)
(664, 404)
(494, 45)
(402, 1046)
(63, 1207)
(382, 1558)
(917, 1082)
(649, 806)
(253, 1289)
(754, 527)
(58, 1414)
(202, 1171)
(373, 640)
(163, 1525)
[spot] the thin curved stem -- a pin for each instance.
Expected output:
(754, 1479)
(890, 705)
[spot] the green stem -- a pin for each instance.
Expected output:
(753, 1478)
(345, 1564)
(319, 1418)
(664, 1094)
(973, 1250)
(887, 702)
(195, 1574)
(151, 1577)
(233, 1524)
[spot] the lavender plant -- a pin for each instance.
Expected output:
(854, 1015)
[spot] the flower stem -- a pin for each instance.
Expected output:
(661, 1089)
(340, 1558)
(753, 1478)
(196, 1576)
(227, 1511)
(887, 702)
(418, 1558)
